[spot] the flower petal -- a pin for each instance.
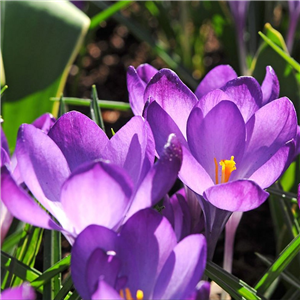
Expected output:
(44, 122)
(21, 205)
(136, 87)
(79, 138)
(220, 135)
(172, 95)
(240, 195)
(132, 148)
(246, 93)
(146, 72)
(268, 130)
(183, 269)
(147, 239)
(3, 141)
(270, 86)
(215, 79)
(22, 292)
(101, 192)
(42, 166)
(86, 243)
(160, 178)
(105, 291)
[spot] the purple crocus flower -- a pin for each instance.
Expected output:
(294, 12)
(143, 261)
(22, 292)
(43, 123)
(218, 77)
(77, 173)
(228, 147)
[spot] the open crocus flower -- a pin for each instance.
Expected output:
(22, 292)
(143, 261)
(233, 145)
(64, 173)
(138, 80)
(44, 123)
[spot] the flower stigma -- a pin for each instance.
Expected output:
(228, 166)
(128, 296)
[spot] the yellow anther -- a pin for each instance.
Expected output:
(139, 295)
(228, 166)
(217, 170)
(122, 294)
(128, 294)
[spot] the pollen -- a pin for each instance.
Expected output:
(128, 296)
(228, 166)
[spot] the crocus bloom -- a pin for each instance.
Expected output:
(230, 152)
(64, 173)
(143, 261)
(294, 12)
(22, 292)
(43, 123)
(138, 79)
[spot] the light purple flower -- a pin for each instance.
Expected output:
(43, 123)
(22, 292)
(294, 12)
(143, 261)
(81, 177)
(218, 77)
(234, 146)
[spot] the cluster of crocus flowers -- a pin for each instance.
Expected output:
(237, 137)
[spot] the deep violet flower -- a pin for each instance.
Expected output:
(64, 173)
(22, 292)
(44, 123)
(234, 145)
(218, 77)
(143, 261)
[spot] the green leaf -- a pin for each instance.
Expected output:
(65, 290)
(231, 284)
(111, 10)
(95, 109)
(285, 257)
(40, 40)
(101, 103)
(57, 268)
(3, 89)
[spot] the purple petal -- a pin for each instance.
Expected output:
(160, 178)
(21, 205)
(269, 172)
(270, 86)
(105, 291)
(215, 79)
(193, 174)
(5, 220)
(79, 138)
(101, 192)
(220, 135)
(172, 95)
(162, 126)
(86, 243)
(146, 72)
(44, 122)
(147, 240)
(183, 269)
(246, 93)
(101, 265)
(240, 195)
(42, 166)
(267, 131)
(5, 159)
(3, 139)
(136, 88)
(132, 148)
(210, 100)
(22, 292)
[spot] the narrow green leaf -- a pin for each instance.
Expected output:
(52, 271)
(292, 197)
(111, 10)
(3, 89)
(231, 284)
(95, 109)
(74, 296)
(101, 103)
(283, 54)
(285, 275)
(52, 254)
(285, 257)
(12, 240)
(21, 270)
(62, 107)
(67, 286)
